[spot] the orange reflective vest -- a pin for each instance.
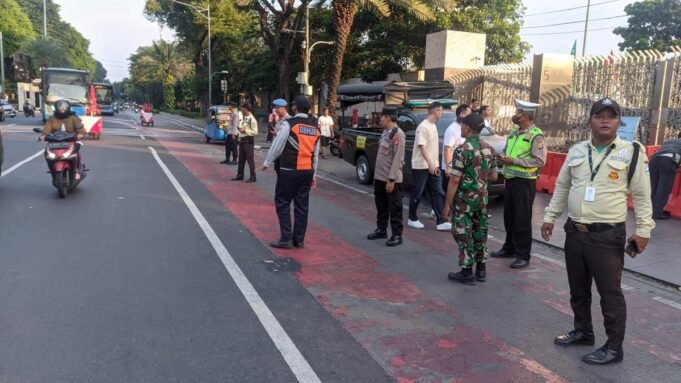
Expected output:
(298, 153)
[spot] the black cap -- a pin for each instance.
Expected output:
(302, 104)
(475, 122)
(603, 104)
(389, 110)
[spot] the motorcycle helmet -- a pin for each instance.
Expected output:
(62, 109)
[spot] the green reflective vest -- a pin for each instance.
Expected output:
(520, 146)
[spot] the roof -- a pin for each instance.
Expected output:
(66, 70)
(395, 91)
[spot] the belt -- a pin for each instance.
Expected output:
(593, 227)
(675, 157)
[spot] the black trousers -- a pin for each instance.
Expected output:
(388, 207)
(246, 147)
(422, 181)
(662, 174)
(597, 256)
(293, 185)
(518, 199)
(231, 147)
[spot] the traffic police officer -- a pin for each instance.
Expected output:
(388, 179)
(593, 184)
(473, 165)
(296, 147)
(524, 155)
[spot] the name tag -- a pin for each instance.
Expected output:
(590, 194)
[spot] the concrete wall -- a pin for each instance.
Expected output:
(450, 52)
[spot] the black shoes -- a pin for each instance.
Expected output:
(519, 264)
(232, 163)
(238, 178)
(463, 276)
(394, 240)
(480, 271)
(377, 234)
(298, 244)
(282, 244)
(250, 180)
(501, 254)
(225, 162)
(575, 338)
(604, 355)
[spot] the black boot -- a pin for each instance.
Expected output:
(394, 240)
(378, 233)
(480, 271)
(251, 180)
(463, 276)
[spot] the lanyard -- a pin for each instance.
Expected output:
(591, 166)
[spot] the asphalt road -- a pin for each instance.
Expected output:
(156, 269)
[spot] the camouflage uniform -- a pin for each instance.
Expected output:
(472, 162)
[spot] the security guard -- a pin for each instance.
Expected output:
(296, 147)
(525, 154)
(473, 165)
(593, 184)
(388, 179)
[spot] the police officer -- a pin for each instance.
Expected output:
(296, 147)
(524, 155)
(593, 184)
(247, 132)
(388, 179)
(663, 168)
(473, 165)
(232, 136)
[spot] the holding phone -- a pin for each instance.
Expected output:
(631, 249)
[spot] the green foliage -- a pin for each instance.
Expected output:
(100, 73)
(45, 52)
(653, 24)
(15, 27)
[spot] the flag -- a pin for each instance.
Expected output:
(573, 52)
(611, 61)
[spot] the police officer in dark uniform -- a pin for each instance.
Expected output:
(663, 168)
(296, 147)
(388, 179)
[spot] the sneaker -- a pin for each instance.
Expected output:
(415, 224)
(444, 226)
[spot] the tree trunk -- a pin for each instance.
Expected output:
(344, 12)
(283, 77)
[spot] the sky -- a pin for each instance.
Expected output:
(117, 28)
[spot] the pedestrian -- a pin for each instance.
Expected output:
(388, 179)
(326, 128)
(296, 146)
(475, 105)
(232, 136)
(271, 122)
(247, 132)
(663, 168)
(486, 112)
(524, 155)
(425, 174)
(452, 139)
(280, 106)
(593, 184)
(473, 165)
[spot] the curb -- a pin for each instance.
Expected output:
(198, 129)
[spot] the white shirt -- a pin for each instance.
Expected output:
(452, 139)
(325, 124)
(426, 135)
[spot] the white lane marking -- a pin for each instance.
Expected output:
(668, 302)
(10, 125)
(344, 185)
(142, 137)
(295, 360)
(17, 165)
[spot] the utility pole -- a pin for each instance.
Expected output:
(45, 18)
(2, 68)
(306, 47)
(586, 25)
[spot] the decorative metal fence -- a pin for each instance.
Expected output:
(673, 117)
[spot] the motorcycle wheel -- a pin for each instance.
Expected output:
(61, 182)
(335, 150)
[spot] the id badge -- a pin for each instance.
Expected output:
(590, 194)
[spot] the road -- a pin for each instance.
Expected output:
(156, 269)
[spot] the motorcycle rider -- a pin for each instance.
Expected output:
(66, 121)
(28, 108)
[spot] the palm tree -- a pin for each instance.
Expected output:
(344, 12)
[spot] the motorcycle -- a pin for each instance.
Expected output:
(29, 111)
(334, 146)
(63, 160)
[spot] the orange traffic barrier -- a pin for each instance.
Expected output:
(674, 204)
(651, 150)
(546, 183)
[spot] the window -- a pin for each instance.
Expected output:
(407, 124)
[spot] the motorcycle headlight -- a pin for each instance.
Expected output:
(50, 155)
(67, 154)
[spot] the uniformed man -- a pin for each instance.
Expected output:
(473, 165)
(232, 136)
(388, 179)
(524, 155)
(247, 132)
(296, 147)
(663, 168)
(593, 184)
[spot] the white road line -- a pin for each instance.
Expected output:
(10, 125)
(668, 302)
(142, 137)
(295, 360)
(344, 185)
(16, 166)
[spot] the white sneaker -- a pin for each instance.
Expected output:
(416, 224)
(444, 226)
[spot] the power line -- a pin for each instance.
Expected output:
(570, 9)
(568, 32)
(573, 22)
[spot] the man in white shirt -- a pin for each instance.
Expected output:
(453, 138)
(326, 126)
(425, 173)
(486, 112)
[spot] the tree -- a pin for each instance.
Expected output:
(653, 24)
(45, 52)
(100, 73)
(15, 27)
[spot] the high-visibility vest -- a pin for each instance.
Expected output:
(298, 153)
(520, 146)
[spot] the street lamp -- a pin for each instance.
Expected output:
(204, 12)
(223, 86)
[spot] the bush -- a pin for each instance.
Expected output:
(185, 113)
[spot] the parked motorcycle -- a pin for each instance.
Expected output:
(29, 110)
(63, 160)
(334, 146)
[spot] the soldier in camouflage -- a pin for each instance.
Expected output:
(473, 165)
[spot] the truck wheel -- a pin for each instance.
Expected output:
(363, 170)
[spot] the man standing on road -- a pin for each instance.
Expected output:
(525, 154)
(593, 184)
(473, 165)
(326, 128)
(231, 139)
(486, 112)
(425, 171)
(388, 179)
(248, 130)
(452, 140)
(663, 168)
(296, 147)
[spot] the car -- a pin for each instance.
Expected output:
(8, 109)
